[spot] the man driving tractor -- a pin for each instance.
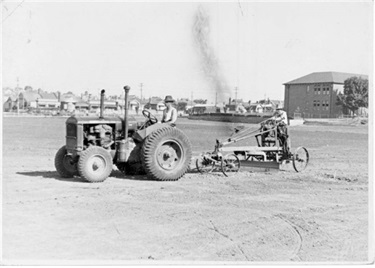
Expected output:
(169, 113)
(280, 118)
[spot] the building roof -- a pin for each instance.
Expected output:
(82, 104)
(69, 98)
(155, 100)
(31, 95)
(11, 98)
(46, 95)
(324, 77)
(204, 105)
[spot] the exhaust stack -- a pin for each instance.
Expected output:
(125, 126)
(102, 95)
(125, 146)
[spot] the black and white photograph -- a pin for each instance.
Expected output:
(187, 132)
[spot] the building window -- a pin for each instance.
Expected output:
(325, 105)
(316, 104)
(317, 90)
(326, 91)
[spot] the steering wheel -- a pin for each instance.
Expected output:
(151, 118)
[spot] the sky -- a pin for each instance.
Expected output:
(183, 49)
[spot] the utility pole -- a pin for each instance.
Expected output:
(216, 99)
(191, 101)
(235, 90)
(18, 97)
(141, 85)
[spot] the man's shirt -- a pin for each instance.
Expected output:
(283, 117)
(169, 116)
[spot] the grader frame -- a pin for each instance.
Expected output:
(268, 154)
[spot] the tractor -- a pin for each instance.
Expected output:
(93, 145)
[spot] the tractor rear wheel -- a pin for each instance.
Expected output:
(64, 164)
(166, 154)
(95, 164)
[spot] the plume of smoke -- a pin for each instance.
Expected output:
(210, 65)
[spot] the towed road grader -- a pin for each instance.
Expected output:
(93, 145)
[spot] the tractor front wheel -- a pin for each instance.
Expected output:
(95, 164)
(166, 154)
(64, 164)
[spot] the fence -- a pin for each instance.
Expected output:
(322, 116)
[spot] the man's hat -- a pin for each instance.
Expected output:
(168, 98)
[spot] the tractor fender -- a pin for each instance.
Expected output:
(142, 134)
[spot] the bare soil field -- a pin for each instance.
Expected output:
(256, 216)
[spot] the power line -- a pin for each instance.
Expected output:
(13, 11)
(141, 85)
(236, 89)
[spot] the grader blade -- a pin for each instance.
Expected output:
(260, 164)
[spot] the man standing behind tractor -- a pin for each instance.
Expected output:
(169, 113)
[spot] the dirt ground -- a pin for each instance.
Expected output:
(319, 215)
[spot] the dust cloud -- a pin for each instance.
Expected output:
(210, 64)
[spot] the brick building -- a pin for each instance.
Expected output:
(314, 95)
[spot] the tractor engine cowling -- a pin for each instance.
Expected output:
(100, 135)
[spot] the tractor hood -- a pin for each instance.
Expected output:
(92, 120)
(79, 120)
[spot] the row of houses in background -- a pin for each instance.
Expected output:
(310, 96)
(266, 106)
(28, 99)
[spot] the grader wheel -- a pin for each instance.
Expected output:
(166, 154)
(64, 164)
(204, 165)
(300, 159)
(230, 164)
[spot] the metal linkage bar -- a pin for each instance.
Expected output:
(250, 148)
(247, 135)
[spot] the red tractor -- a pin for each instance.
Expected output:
(93, 145)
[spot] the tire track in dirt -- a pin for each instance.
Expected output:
(228, 237)
(294, 227)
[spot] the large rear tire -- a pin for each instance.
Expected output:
(64, 164)
(166, 154)
(95, 164)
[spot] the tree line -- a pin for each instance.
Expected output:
(354, 95)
